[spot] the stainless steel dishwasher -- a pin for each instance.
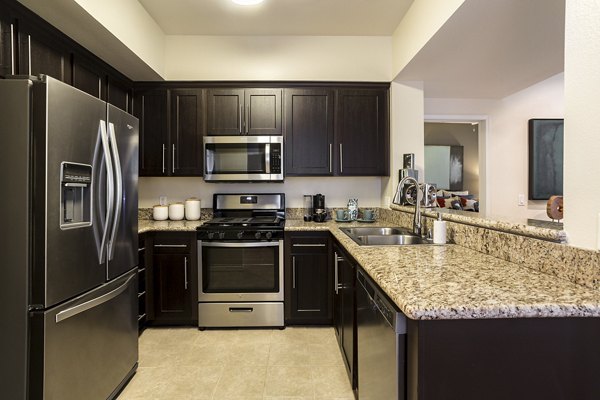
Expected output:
(381, 344)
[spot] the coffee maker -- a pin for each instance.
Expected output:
(319, 212)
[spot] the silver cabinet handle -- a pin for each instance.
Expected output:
(185, 272)
(309, 245)
(170, 245)
(78, 309)
(341, 158)
(330, 157)
(293, 272)
(29, 53)
(12, 49)
(163, 160)
(335, 280)
(246, 123)
(241, 111)
(173, 161)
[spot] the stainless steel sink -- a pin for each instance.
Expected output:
(384, 236)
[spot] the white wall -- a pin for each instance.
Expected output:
(507, 148)
(582, 136)
(318, 58)
(421, 22)
(337, 190)
(406, 133)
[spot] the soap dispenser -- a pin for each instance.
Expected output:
(439, 230)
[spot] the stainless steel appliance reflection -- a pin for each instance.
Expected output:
(69, 242)
(240, 262)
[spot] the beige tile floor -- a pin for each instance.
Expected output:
(292, 364)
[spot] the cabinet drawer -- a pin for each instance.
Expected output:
(173, 242)
(308, 243)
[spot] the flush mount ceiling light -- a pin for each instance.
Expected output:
(247, 2)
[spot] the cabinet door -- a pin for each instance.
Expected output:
(151, 108)
(88, 78)
(187, 131)
(362, 132)
(172, 298)
(119, 93)
(7, 46)
(345, 310)
(225, 109)
(39, 53)
(308, 279)
(309, 117)
(262, 111)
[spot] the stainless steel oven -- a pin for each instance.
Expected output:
(240, 262)
(243, 158)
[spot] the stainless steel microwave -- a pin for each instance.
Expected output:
(243, 158)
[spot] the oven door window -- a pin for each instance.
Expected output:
(236, 158)
(240, 269)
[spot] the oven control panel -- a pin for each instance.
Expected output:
(239, 234)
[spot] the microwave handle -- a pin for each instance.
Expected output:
(268, 158)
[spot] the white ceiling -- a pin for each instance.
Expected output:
(278, 17)
(491, 49)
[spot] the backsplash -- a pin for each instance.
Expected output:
(576, 265)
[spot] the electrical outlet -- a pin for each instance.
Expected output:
(521, 200)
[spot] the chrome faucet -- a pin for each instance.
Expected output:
(417, 220)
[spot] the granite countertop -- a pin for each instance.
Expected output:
(454, 282)
(148, 225)
(447, 281)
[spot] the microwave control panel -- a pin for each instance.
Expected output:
(276, 158)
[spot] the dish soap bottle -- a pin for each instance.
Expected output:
(352, 209)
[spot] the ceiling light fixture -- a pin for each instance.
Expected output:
(247, 2)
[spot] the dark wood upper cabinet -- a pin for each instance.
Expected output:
(39, 53)
(89, 77)
(187, 131)
(151, 108)
(362, 132)
(244, 112)
(8, 52)
(118, 93)
(309, 118)
(225, 111)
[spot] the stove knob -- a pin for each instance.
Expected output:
(257, 235)
(210, 235)
(269, 235)
(240, 234)
(221, 235)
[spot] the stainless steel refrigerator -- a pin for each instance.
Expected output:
(68, 277)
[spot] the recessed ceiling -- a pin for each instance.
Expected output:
(491, 49)
(278, 17)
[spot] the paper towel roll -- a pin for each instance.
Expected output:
(192, 209)
(176, 211)
(160, 213)
(439, 232)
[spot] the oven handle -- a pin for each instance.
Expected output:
(240, 244)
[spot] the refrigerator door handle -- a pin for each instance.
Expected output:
(119, 189)
(78, 309)
(109, 185)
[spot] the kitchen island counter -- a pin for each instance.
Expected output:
(429, 282)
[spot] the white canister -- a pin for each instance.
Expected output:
(160, 213)
(192, 209)
(176, 211)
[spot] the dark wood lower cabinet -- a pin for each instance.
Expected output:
(499, 359)
(308, 278)
(173, 269)
(142, 297)
(344, 307)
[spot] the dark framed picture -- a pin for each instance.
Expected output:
(545, 158)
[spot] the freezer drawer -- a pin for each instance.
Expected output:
(88, 347)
